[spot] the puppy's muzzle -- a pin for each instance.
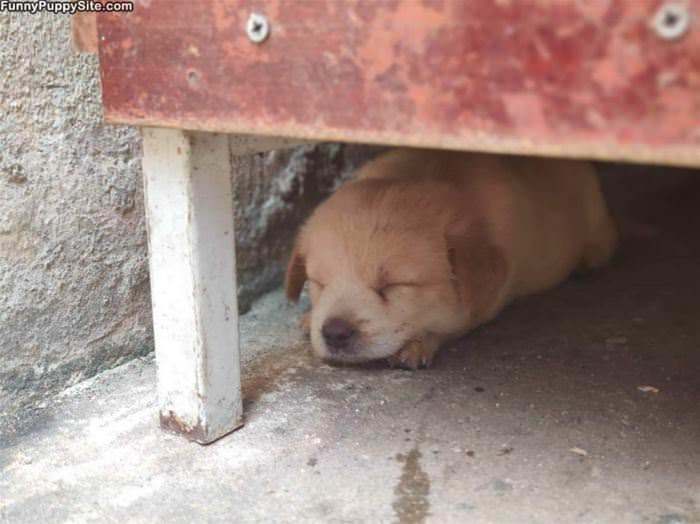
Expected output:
(339, 335)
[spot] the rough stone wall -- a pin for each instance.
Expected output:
(74, 291)
(73, 278)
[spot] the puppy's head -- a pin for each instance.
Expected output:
(382, 271)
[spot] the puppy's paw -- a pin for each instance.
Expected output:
(414, 355)
(305, 324)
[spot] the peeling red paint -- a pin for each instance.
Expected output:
(435, 72)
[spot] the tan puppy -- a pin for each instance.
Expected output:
(425, 245)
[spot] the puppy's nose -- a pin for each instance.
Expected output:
(338, 334)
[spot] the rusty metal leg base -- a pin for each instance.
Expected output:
(192, 260)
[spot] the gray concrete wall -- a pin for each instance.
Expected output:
(74, 292)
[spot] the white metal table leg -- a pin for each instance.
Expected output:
(189, 208)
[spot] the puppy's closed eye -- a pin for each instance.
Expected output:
(386, 290)
(316, 283)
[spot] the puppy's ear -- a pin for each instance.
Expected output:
(296, 273)
(480, 269)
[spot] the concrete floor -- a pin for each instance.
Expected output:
(545, 415)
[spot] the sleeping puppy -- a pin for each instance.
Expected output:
(422, 246)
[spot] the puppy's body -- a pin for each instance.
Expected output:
(424, 245)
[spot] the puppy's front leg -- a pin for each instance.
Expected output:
(415, 354)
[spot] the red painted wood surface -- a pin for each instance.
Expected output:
(572, 77)
(84, 32)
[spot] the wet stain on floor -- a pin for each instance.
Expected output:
(411, 504)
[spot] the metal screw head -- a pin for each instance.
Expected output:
(671, 20)
(257, 28)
